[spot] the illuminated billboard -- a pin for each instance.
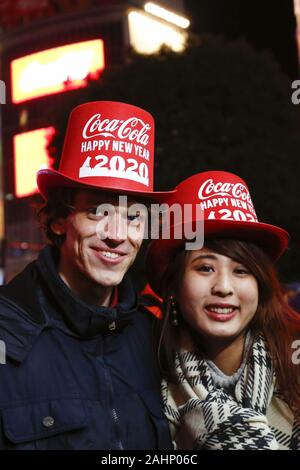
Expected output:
(148, 34)
(56, 70)
(30, 156)
(167, 15)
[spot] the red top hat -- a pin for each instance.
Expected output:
(228, 212)
(108, 145)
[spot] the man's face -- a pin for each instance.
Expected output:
(101, 243)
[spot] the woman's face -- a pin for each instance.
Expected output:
(218, 296)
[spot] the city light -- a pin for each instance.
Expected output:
(166, 15)
(56, 70)
(147, 35)
(30, 155)
(2, 92)
(297, 7)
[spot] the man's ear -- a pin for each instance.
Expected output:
(59, 226)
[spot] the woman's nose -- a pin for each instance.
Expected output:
(222, 285)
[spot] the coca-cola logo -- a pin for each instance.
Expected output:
(210, 189)
(132, 129)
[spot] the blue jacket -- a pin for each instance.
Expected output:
(76, 376)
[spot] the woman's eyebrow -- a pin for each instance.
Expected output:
(205, 256)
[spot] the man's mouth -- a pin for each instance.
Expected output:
(110, 254)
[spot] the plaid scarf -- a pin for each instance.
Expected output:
(203, 416)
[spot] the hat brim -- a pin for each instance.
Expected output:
(273, 240)
(49, 180)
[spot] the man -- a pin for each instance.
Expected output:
(80, 368)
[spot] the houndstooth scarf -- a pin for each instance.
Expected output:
(206, 417)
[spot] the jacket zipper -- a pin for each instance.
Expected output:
(113, 411)
(117, 427)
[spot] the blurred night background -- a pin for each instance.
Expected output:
(220, 102)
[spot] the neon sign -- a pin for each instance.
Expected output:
(148, 34)
(56, 70)
(30, 156)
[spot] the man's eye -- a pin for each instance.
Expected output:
(132, 217)
(135, 216)
(95, 212)
(92, 210)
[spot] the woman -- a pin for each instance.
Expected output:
(231, 378)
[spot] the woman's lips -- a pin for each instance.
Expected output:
(222, 314)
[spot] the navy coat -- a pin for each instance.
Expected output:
(76, 376)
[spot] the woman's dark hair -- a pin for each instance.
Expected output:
(59, 204)
(274, 318)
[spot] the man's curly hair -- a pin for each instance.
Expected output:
(59, 204)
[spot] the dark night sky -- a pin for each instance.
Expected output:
(266, 24)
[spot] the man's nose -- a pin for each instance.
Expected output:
(222, 285)
(113, 227)
(117, 228)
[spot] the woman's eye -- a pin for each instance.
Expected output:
(241, 271)
(205, 269)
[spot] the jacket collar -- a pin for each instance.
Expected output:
(76, 316)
